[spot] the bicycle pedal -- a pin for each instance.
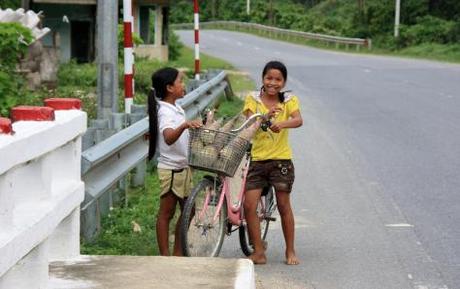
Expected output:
(272, 219)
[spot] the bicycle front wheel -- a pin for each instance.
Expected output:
(203, 225)
(265, 209)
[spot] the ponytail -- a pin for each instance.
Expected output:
(160, 80)
(153, 123)
(281, 96)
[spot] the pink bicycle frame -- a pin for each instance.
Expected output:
(234, 213)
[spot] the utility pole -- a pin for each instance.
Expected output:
(107, 58)
(128, 54)
(197, 41)
(397, 12)
(248, 7)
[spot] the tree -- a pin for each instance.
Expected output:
(13, 4)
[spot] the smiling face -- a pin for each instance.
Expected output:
(273, 82)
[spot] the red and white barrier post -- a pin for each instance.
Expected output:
(197, 33)
(128, 54)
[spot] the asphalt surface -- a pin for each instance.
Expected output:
(376, 196)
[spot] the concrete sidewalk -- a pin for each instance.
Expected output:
(145, 272)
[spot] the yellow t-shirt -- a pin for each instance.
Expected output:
(268, 145)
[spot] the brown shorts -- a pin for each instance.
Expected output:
(278, 173)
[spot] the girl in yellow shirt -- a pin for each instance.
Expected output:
(271, 157)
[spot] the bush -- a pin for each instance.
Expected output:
(428, 29)
(8, 93)
(74, 74)
(13, 4)
(174, 46)
(14, 40)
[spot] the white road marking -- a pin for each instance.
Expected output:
(400, 225)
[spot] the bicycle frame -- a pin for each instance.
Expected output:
(233, 211)
(206, 218)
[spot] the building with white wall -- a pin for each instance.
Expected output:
(73, 25)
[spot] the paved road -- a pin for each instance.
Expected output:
(376, 197)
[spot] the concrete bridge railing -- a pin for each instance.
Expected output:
(40, 192)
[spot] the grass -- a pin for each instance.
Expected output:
(433, 51)
(120, 233)
(187, 60)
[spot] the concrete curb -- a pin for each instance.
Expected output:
(151, 272)
(245, 278)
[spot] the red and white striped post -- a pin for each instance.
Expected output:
(197, 34)
(128, 54)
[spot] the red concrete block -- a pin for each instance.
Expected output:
(63, 103)
(37, 113)
(5, 126)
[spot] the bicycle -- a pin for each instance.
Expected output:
(210, 210)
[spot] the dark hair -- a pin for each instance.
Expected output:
(281, 68)
(160, 80)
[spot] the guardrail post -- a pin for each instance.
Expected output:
(101, 127)
(228, 89)
(138, 112)
(114, 196)
(368, 43)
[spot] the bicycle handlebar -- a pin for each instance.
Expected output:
(250, 119)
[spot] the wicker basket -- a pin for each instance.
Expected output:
(216, 151)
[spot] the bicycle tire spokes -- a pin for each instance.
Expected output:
(204, 236)
(265, 209)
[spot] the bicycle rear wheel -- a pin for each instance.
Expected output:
(265, 209)
(202, 235)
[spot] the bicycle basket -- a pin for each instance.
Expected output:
(216, 151)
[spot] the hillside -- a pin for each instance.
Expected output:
(425, 24)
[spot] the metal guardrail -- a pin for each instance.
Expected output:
(278, 32)
(113, 158)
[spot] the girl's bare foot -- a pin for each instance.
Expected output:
(258, 258)
(291, 259)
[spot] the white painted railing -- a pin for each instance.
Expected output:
(40, 195)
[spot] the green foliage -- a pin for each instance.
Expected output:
(174, 46)
(118, 236)
(445, 52)
(8, 93)
(229, 108)
(187, 60)
(13, 4)
(74, 74)
(429, 29)
(14, 40)
(421, 20)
